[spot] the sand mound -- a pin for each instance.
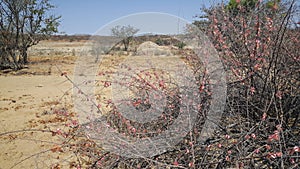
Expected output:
(152, 49)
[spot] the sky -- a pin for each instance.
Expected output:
(88, 16)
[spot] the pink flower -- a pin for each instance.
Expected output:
(162, 84)
(278, 154)
(227, 136)
(58, 131)
(175, 163)
(252, 90)
(201, 88)
(274, 136)
(274, 155)
(257, 67)
(191, 143)
(276, 132)
(208, 147)
(271, 155)
(74, 122)
(296, 149)
(191, 164)
(107, 84)
(264, 117)
(247, 137)
(101, 73)
(279, 94)
(99, 163)
(292, 161)
(241, 165)
(137, 102)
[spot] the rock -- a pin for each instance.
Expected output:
(40, 85)
(7, 70)
(152, 49)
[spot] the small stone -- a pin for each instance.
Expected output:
(40, 85)
(7, 71)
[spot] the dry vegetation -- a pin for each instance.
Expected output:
(39, 125)
(41, 128)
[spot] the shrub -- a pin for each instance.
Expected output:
(180, 45)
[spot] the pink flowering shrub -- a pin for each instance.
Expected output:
(259, 47)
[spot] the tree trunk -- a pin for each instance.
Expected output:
(15, 64)
(126, 43)
(23, 59)
(25, 56)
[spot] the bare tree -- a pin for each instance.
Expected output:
(23, 24)
(125, 33)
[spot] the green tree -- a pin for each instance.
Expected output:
(23, 23)
(234, 5)
(125, 33)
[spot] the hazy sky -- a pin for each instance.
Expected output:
(87, 16)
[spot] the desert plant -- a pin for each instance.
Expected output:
(255, 52)
(180, 45)
(260, 128)
(255, 45)
(23, 24)
(125, 33)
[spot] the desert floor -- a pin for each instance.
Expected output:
(28, 99)
(24, 97)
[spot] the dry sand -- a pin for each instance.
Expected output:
(27, 98)
(24, 97)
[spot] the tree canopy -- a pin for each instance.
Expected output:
(125, 33)
(23, 23)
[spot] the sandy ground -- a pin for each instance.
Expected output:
(24, 97)
(27, 98)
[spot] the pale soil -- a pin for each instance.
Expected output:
(28, 97)
(27, 100)
(24, 97)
